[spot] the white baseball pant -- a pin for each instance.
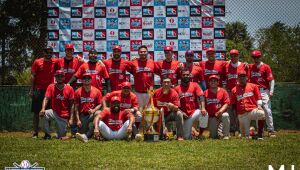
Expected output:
(188, 123)
(109, 134)
(213, 124)
(61, 124)
(267, 108)
(245, 120)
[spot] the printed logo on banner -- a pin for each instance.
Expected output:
(124, 34)
(64, 3)
(135, 2)
(76, 34)
(207, 22)
(207, 2)
(207, 11)
(62, 45)
(171, 11)
(76, 12)
(196, 44)
(220, 44)
(125, 55)
(183, 11)
(172, 33)
(53, 35)
(124, 3)
(159, 34)
(54, 45)
(111, 2)
(64, 23)
(124, 12)
(125, 44)
(219, 33)
(112, 12)
(64, 13)
(159, 22)
(159, 55)
(135, 44)
(173, 43)
(102, 56)
(135, 11)
(171, 2)
(124, 23)
(76, 23)
(148, 23)
(183, 45)
(88, 35)
(100, 34)
(53, 12)
(88, 45)
(195, 22)
(112, 34)
(52, 3)
(159, 11)
(149, 44)
(88, 12)
(207, 33)
(196, 33)
(100, 45)
(207, 43)
(148, 11)
(147, 2)
(220, 55)
(136, 34)
(183, 22)
(148, 34)
(171, 22)
(88, 3)
(219, 11)
(77, 46)
(100, 12)
(159, 45)
(100, 3)
(135, 23)
(183, 2)
(76, 3)
(183, 33)
(100, 23)
(110, 44)
(88, 23)
(219, 2)
(195, 10)
(159, 2)
(219, 22)
(197, 55)
(112, 23)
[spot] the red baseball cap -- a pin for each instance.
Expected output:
(168, 48)
(69, 46)
(87, 75)
(242, 72)
(115, 98)
(255, 54)
(234, 51)
(214, 77)
(189, 52)
(125, 84)
(210, 49)
(59, 73)
(117, 47)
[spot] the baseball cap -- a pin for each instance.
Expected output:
(115, 98)
(189, 52)
(214, 77)
(93, 51)
(168, 48)
(117, 47)
(59, 73)
(234, 51)
(242, 72)
(125, 84)
(210, 49)
(69, 46)
(255, 54)
(87, 75)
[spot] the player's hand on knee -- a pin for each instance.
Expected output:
(129, 129)
(79, 123)
(96, 134)
(42, 113)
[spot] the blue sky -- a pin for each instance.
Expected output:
(263, 13)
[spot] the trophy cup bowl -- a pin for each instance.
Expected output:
(151, 116)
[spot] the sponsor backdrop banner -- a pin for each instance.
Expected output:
(101, 24)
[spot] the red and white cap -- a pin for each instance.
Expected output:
(69, 46)
(210, 49)
(125, 84)
(59, 73)
(117, 47)
(234, 51)
(214, 77)
(115, 98)
(168, 48)
(242, 72)
(256, 54)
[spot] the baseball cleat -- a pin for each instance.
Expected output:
(81, 137)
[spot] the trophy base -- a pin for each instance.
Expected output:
(151, 137)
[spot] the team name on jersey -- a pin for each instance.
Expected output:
(212, 101)
(255, 74)
(91, 71)
(232, 76)
(114, 122)
(114, 71)
(86, 100)
(208, 72)
(240, 97)
(142, 69)
(125, 105)
(164, 71)
(187, 94)
(69, 70)
(60, 97)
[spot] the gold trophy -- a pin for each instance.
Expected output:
(150, 117)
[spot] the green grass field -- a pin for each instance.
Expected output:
(206, 154)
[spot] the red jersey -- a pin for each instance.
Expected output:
(44, 73)
(70, 67)
(214, 101)
(231, 74)
(143, 73)
(188, 97)
(117, 72)
(215, 68)
(97, 72)
(60, 99)
(114, 120)
(261, 75)
(161, 99)
(87, 100)
(245, 97)
(171, 69)
(127, 102)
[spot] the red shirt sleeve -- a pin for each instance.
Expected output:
(49, 91)
(233, 96)
(134, 101)
(226, 97)
(34, 67)
(80, 71)
(199, 92)
(256, 93)
(77, 97)
(269, 73)
(107, 97)
(71, 97)
(175, 98)
(104, 73)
